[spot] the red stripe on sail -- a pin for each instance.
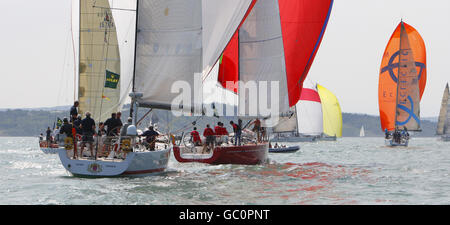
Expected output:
(309, 95)
(303, 23)
(229, 65)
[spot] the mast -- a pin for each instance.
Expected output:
(398, 74)
(133, 95)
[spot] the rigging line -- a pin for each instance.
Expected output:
(111, 8)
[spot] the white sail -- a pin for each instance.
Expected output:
(361, 132)
(261, 57)
(444, 114)
(99, 60)
(178, 39)
(286, 123)
(309, 110)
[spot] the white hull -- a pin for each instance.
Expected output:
(295, 139)
(49, 150)
(135, 164)
(391, 143)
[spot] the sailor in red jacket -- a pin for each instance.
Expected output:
(196, 137)
(208, 133)
(218, 129)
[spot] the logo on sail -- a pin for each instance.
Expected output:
(112, 79)
(391, 66)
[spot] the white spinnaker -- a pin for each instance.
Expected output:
(178, 39)
(261, 57)
(309, 113)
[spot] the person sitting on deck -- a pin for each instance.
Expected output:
(208, 133)
(196, 137)
(150, 137)
(88, 130)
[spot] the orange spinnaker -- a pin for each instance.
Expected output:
(387, 86)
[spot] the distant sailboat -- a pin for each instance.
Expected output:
(305, 124)
(399, 96)
(361, 132)
(332, 115)
(443, 127)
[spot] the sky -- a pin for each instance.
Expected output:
(37, 58)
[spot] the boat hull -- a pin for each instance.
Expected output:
(391, 143)
(242, 155)
(295, 139)
(327, 138)
(52, 149)
(135, 164)
(285, 150)
(445, 138)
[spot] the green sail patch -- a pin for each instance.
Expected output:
(112, 79)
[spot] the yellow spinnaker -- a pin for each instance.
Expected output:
(332, 115)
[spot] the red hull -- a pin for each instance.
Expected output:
(242, 155)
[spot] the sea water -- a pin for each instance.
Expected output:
(347, 171)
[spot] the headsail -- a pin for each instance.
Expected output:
(332, 115)
(99, 60)
(277, 42)
(443, 126)
(178, 39)
(387, 87)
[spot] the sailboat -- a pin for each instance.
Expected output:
(443, 127)
(173, 41)
(277, 42)
(401, 84)
(332, 115)
(306, 123)
(361, 132)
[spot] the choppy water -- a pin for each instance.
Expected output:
(349, 171)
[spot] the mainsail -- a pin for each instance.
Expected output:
(277, 42)
(332, 115)
(443, 126)
(178, 39)
(414, 57)
(361, 132)
(99, 60)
